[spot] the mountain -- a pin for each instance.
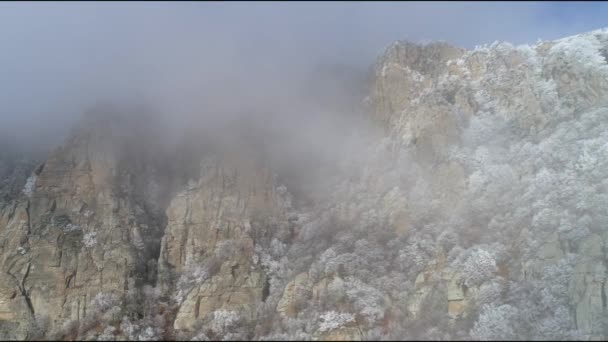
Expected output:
(477, 211)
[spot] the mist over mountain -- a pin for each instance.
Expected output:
(240, 189)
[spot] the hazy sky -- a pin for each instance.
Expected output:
(58, 58)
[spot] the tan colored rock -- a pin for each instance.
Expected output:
(319, 290)
(342, 334)
(404, 71)
(417, 90)
(297, 291)
(589, 286)
(49, 265)
(225, 205)
(456, 297)
(423, 289)
(455, 291)
(455, 307)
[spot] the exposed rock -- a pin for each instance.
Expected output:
(319, 290)
(296, 293)
(425, 108)
(83, 188)
(232, 205)
(342, 334)
(588, 291)
(425, 103)
(456, 298)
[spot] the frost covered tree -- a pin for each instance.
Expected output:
(497, 323)
(478, 267)
(331, 320)
(30, 184)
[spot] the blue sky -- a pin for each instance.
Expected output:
(57, 58)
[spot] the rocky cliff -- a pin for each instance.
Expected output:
(479, 213)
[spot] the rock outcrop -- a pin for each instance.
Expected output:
(221, 217)
(89, 226)
(425, 96)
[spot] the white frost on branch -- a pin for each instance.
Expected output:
(30, 185)
(333, 320)
(90, 239)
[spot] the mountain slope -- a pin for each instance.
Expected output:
(479, 213)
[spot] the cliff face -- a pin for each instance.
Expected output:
(480, 213)
(112, 212)
(89, 224)
(534, 96)
(214, 226)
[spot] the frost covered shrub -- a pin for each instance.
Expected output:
(89, 239)
(108, 334)
(367, 300)
(331, 320)
(489, 292)
(141, 330)
(559, 326)
(104, 301)
(223, 320)
(225, 249)
(189, 279)
(292, 329)
(128, 328)
(412, 259)
(496, 323)
(148, 334)
(200, 336)
(71, 228)
(478, 267)
(30, 185)
(555, 282)
(336, 291)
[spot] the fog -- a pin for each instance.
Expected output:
(201, 61)
(159, 87)
(294, 74)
